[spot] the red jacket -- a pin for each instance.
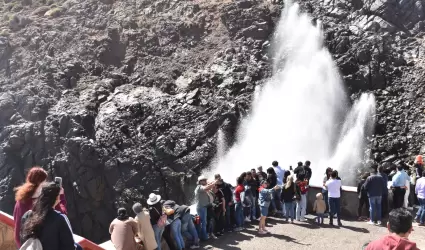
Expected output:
(239, 189)
(21, 207)
(392, 242)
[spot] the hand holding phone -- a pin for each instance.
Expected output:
(58, 180)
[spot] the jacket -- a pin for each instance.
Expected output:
(361, 192)
(319, 205)
(155, 212)
(385, 176)
(227, 191)
(21, 207)
(392, 242)
(288, 193)
(145, 231)
(264, 197)
(272, 180)
(375, 185)
(55, 233)
(307, 172)
(123, 233)
(253, 187)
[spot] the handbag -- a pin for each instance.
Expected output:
(162, 221)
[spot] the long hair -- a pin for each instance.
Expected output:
(35, 177)
(289, 182)
(45, 202)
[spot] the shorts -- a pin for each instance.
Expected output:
(264, 210)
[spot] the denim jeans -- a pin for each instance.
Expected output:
(176, 230)
(319, 218)
(301, 207)
(239, 214)
(189, 229)
(158, 235)
(254, 208)
(421, 210)
(334, 207)
(202, 212)
(375, 208)
(289, 209)
(276, 204)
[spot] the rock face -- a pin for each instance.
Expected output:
(122, 98)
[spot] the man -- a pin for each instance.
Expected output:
(299, 171)
(399, 187)
(307, 170)
(280, 173)
(400, 227)
(333, 185)
(419, 166)
(261, 175)
(251, 190)
(204, 199)
(384, 202)
(420, 192)
(226, 188)
(375, 186)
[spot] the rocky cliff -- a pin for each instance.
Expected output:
(125, 97)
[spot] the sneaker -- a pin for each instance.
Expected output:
(303, 219)
(247, 219)
(378, 223)
(262, 232)
(213, 237)
(238, 229)
(195, 246)
(370, 222)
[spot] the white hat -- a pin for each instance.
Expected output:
(202, 178)
(153, 199)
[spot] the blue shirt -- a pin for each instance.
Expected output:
(265, 197)
(280, 173)
(400, 178)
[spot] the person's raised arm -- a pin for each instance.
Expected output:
(209, 186)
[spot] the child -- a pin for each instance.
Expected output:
(264, 200)
(319, 207)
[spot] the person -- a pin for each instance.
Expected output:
(175, 223)
(285, 176)
(302, 201)
(384, 207)
(272, 180)
(123, 230)
(407, 194)
(144, 228)
(238, 204)
(419, 166)
(400, 227)
(333, 185)
(420, 192)
(155, 212)
(375, 186)
(251, 188)
(51, 227)
(226, 188)
(204, 199)
(27, 194)
(399, 187)
(261, 174)
(319, 207)
(299, 171)
(264, 200)
(219, 210)
(289, 191)
(326, 177)
(280, 175)
(362, 195)
(255, 203)
(307, 170)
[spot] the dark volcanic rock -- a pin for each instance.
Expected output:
(122, 98)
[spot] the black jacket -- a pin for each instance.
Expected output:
(308, 172)
(299, 171)
(155, 212)
(361, 192)
(226, 188)
(375, 185)
(288, 193)
(55, 232)
(272, 180)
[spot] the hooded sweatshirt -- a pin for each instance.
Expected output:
(392, 242)
(23, 206)
(319, 205)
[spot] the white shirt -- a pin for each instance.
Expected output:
(334, 188)
(280, 172)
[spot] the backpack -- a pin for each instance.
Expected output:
(32, 244)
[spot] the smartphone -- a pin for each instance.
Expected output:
(58, 180)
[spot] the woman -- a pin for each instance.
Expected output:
(302, 202)
(27, 193)
(155, 212)
(324, 190)
(123, 232)
(238, 204)
(272, 180)
(289, 192)
(145, 230)
(264, 200)
(44, 223)
(175, 224)
(363, 199)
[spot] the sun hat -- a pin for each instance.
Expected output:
(153, 199)
(202, 178)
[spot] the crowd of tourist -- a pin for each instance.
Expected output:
(40, 209)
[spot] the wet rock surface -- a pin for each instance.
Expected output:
(122, 98)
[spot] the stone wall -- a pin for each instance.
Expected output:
(6, 237)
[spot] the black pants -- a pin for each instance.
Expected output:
(398, 197)
(220, 221)
(384, 206)
(363, 202)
